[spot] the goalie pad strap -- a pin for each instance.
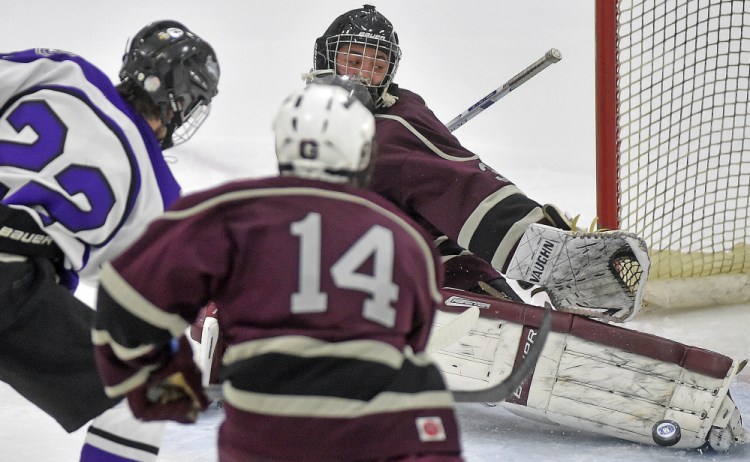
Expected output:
(695, 359)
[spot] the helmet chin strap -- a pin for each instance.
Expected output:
(167, 141)
(170, 120)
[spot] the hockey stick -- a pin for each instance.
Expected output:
(502, 390)
(551, 57)
(453, 330)
(443, 336)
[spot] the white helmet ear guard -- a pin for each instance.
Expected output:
(324, 132)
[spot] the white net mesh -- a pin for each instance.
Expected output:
(684, 137)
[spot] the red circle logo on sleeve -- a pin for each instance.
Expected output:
(430, 429)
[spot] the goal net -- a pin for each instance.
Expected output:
(673, 142)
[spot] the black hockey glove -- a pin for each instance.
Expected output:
(21, 235)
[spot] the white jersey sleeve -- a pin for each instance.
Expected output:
(77, 158)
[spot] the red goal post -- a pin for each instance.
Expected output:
(673, 142)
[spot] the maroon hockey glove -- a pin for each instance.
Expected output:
(173, 392)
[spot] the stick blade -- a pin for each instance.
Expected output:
(453, 330)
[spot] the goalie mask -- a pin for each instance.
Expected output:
(361, 42)
(179, 72)
(323, 132)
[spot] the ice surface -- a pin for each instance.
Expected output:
(541, 136)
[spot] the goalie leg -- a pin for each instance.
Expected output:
(597, 377)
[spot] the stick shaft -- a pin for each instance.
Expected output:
(551, 57)
(502, 390)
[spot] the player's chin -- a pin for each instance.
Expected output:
(160, 132)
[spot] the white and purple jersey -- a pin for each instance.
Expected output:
(77, 157)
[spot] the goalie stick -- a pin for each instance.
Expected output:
(551, 57)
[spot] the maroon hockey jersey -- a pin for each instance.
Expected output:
(326, 297)
(424, 169)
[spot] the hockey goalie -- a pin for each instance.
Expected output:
(568, 369)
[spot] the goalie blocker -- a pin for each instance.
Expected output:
(595, 376)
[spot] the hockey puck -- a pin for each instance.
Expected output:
(666, 433)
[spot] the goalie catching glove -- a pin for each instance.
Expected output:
(600, 275)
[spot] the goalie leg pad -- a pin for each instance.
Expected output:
(597, 377)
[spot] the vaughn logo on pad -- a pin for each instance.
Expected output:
(539, 270)
(537, 253)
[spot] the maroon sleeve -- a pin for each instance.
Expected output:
(178, 263)
(425, 170)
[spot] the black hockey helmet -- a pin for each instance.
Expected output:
(178, 70)
(364, 26)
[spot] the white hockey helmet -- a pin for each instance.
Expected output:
(324, 132)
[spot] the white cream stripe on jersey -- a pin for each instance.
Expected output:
(131, 383)
(306, 347)
(308, 192)
(330, 407)
(424, 140)
(502, 254)
(132, 301)
(470, 226)
(102, 337)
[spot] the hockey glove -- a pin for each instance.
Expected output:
(601, 275)
(21, 235)
(173, 392)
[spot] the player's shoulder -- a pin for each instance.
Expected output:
(49, 57)
(409, 115)
(406, 101)
(47, 68)
(295, 189)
